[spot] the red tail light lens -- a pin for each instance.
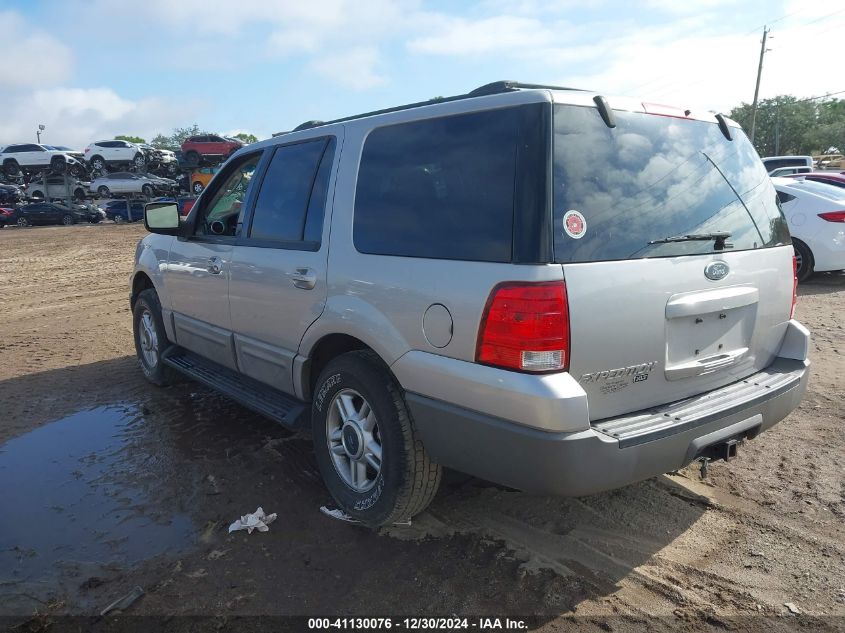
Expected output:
(794, 285)
(833, 216)
(526, 327)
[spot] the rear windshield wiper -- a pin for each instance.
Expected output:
(720, 238)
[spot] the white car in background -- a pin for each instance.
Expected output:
(32, 156)
(124, 182)
(114, 152)
(815, 212)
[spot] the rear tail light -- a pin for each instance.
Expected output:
(833, 216)
(794, 285)
(525, 327)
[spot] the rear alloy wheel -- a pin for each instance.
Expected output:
(804, 259)
(367, 447)
(67, 219)
(22, 221)
(103, 191)
(98, 164)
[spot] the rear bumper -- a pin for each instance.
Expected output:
(593, 460)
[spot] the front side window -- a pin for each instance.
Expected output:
(620, 192)
(220, 215)
(282, 202)
(439, 188)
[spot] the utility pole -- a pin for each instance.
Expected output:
(757, 87)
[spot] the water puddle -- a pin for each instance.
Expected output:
(76, 499)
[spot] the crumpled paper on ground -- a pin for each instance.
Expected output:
(254, 521)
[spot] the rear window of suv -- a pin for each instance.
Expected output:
(652, 177)
(439, 188)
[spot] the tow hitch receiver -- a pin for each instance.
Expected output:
(724, 450)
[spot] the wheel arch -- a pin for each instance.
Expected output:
(324, 350)
(140, 281)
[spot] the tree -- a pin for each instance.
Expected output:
(175, 140)
(160, 141)
(787, 125)
(246, 137)
(129, 139)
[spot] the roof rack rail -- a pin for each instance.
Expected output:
(496, 87)
(307, 125)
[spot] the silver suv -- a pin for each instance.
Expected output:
(537, 286)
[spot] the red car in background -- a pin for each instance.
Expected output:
(837, 179)
(6, 216)
(209, 146)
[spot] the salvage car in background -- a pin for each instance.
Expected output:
(114, 152)
(55, 187)
(129, 183)
(31, 156)
(7, 216)
(827, 177)
(209, 146)
(10, 194)
(815, 212)
(51, 213)
(201, 177)
(119, 211)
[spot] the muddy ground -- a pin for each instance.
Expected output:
(107, 483)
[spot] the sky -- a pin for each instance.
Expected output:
(92, 69)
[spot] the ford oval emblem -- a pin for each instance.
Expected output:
(716, 270)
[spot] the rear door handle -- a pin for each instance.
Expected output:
(215, 265)
(304, 278)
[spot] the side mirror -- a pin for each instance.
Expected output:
(162, 218)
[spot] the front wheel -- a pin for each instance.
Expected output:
(22, 221)
(67, 219)
(118, 219)
(103, 191)
(150, 338)
(139, 161)
(368, 450)
(147, 190)
(197, 187)
(804, 259)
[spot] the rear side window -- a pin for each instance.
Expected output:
(620, 193)
(439, 188)
(784, 197)
(283, 199)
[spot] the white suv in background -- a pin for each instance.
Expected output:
(114, 152)
(31, 156)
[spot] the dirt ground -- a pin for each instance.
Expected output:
(107, 483)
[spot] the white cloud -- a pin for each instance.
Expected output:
(497, 34)
(31, 57)
(353, 69)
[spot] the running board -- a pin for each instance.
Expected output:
(261, 398)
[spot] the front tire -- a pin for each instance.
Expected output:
(806, 263)
(22, 222)
(11, 168)
(103, 191)
(67, 219)
(147, 190)
(151, 338)
(58, 164)
(139, 161)
(368, 450)
(197, 187)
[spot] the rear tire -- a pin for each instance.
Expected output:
(193, 158)
(151, 339)
(406, 479)
(147, 190)
(118, 219)
(58, 164)
(806, 262)
(22, 222)
(197, 187)
(67, 219)
(98, 164)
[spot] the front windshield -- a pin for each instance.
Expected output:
(652, 177)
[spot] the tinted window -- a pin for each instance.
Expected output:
(319, 194)
(285, 190)
(653, 177)
(31, 148)
(440, 188)
(12, 149)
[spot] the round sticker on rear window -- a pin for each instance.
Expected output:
(574, 224)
